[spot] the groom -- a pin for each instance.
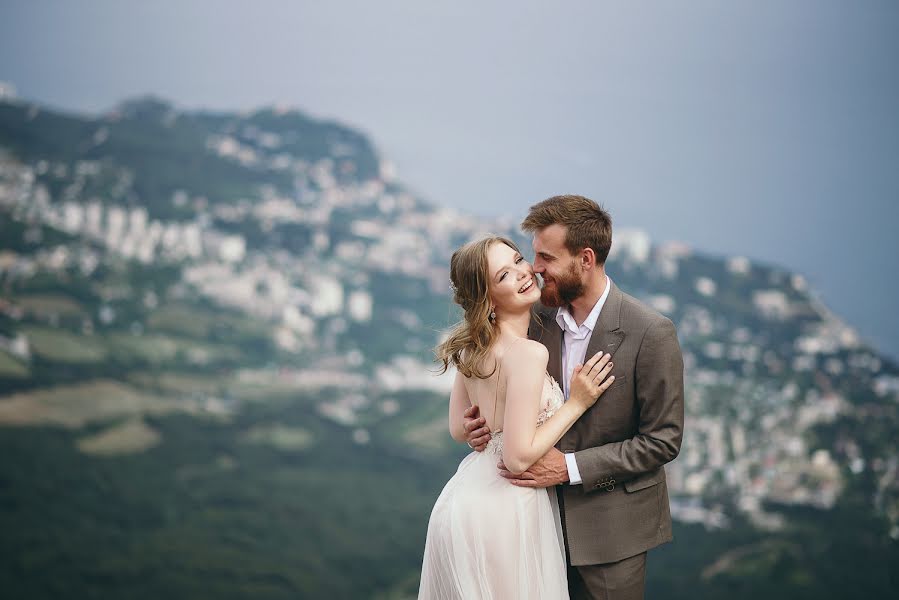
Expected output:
(610, 465)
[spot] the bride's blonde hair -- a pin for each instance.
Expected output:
(470, 339)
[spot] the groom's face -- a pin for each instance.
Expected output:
(562, 280)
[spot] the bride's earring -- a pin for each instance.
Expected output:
(492, 316)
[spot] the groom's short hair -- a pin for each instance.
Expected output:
(589, 225)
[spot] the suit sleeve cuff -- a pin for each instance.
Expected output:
(574, 476)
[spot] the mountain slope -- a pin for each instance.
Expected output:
(215, 335)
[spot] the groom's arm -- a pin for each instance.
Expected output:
(659, 389)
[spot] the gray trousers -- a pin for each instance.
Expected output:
(622, 580)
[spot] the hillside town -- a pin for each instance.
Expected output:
(753, 399)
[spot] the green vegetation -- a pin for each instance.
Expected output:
(75, 405)
(279, 436)
(157, 444)
(278, 519)
(267, 521)
(45, 306)
(12, 367)
(125, 438)
(56, 345)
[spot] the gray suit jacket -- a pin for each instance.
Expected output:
(622, 443)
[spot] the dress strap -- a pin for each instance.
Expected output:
(499, 371)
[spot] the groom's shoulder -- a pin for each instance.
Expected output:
(639, 314)
(545, 311)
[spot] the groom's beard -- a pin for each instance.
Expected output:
(563, 289)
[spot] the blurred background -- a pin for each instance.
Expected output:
(224, 241)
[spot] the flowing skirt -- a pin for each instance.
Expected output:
(488, 539)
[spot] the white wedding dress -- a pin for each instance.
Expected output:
(488, 539)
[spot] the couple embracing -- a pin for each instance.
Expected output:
(572, 398)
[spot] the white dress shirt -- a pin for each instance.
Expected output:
(575, 340)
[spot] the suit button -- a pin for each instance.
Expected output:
(610, 488)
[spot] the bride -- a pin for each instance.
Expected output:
(486, 537)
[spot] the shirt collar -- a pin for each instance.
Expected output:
(566, 320)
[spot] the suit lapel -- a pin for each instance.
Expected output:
(548, 333)
(606, 334)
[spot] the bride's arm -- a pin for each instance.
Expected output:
(459, 403)
(525, 367)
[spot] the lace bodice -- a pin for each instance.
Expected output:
(551, 400)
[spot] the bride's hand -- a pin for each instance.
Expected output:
(590, 380)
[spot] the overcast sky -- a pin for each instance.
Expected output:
(765, 129)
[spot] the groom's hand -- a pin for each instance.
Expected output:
(476, 428)
(549, 470)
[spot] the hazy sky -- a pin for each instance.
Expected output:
(767, 129)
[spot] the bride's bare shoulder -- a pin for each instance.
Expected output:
(527, 353)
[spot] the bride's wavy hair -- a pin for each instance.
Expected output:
(469, 341)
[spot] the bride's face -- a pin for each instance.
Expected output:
(512, 284)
